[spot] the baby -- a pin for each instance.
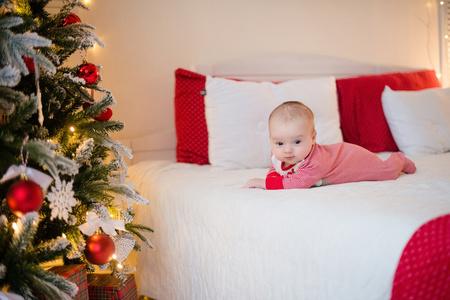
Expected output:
(298, 162)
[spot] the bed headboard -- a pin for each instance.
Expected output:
(161, 145)
(293, 66)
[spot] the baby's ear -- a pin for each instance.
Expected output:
(314, 136)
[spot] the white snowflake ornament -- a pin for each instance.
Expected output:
(61, 200)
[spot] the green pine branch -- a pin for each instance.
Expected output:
(53, 148)
(20, 260)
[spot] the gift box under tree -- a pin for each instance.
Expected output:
(76, 274)
(107, 286)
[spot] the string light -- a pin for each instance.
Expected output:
(119, 265)
(444, 43)
(72, 128)
(14, 225)
(64, 236)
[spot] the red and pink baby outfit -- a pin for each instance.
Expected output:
(337, 163)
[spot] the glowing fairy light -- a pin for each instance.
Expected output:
(64, 236)
(14, 225)
(119, 266)
(72, 128)
(114, 256)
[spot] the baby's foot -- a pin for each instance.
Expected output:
(409, 167)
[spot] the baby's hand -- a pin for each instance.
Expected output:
(258, 183)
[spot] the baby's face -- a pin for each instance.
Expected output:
(291, 140)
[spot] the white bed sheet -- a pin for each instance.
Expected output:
(214, 240)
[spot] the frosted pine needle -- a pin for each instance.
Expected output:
(102, 210)
(84, 152)
(26, 228)
(9, 76)
(77, 248)
(103, 267)
(55, 245)
(74, 78)
(2, 271)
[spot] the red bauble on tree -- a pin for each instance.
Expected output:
(29, 62)
(70, 19)
(24, 196)
(88, 72)
(105, 115)
(99, 249)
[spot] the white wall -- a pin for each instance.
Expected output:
(146, 40)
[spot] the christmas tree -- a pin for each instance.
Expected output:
(63, 184)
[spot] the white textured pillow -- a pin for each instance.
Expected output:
(419, 120)
(237, 115)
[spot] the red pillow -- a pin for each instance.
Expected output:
(190, 121)
(361, 112)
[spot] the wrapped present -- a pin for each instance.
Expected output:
(107, 286)
(75, 274)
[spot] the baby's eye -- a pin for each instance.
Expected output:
(297, 142)
(279, 144)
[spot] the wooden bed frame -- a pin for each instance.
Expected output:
(161, 145)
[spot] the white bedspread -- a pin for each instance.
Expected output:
(214, 240)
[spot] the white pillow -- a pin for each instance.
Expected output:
(419, 120)
(237, 115)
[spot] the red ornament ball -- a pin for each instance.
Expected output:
(99, 249)
(88, 72)
(105, 115)
(29, 62)
(70, 19)
(24, 196)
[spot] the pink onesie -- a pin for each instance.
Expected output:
(337, 163)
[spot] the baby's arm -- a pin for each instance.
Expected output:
(258, 183)
(303, 179)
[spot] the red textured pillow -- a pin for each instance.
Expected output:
(361, 112)
(190, 121)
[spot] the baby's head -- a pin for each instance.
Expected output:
(292, 132)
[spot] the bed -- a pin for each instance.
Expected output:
(362, 240)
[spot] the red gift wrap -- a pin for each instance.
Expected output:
(107, 286)
(75, 274)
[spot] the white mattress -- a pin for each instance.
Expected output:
(214, 240)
